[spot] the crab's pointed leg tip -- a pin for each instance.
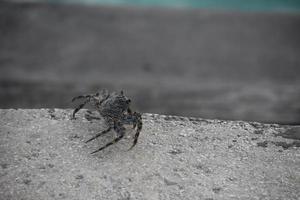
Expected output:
(89, 140)
(131, 148)
(94, 152)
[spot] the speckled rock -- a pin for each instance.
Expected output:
(44, 156)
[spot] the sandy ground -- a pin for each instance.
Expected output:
(225, 65)
(43, 156)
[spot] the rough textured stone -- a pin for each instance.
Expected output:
(44, 156)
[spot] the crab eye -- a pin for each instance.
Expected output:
(128, 101)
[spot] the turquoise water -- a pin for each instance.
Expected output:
(251, 5)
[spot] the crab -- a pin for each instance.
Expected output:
(115, 109)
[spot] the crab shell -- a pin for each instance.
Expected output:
(114, 105)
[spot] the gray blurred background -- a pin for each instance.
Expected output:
(231, 64)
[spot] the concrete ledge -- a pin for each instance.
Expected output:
(43, 156)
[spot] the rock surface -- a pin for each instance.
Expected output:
(44, 156)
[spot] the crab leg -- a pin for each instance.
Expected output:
(108, 144)
(81, 97)
(99, 134)
(139, 128)
(79, 107)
